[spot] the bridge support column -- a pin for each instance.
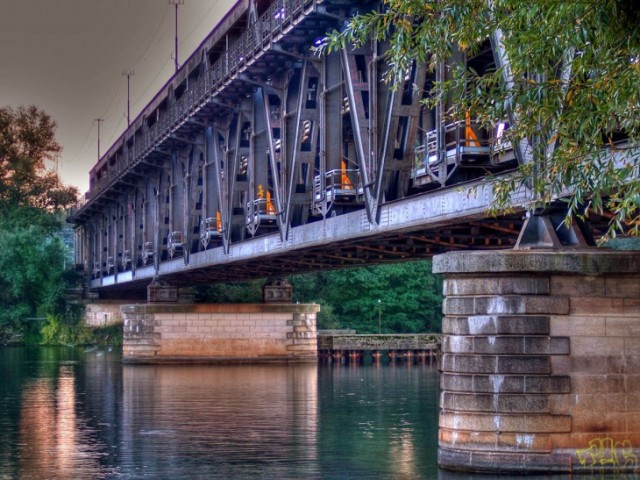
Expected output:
(541, 361)
(219, 333)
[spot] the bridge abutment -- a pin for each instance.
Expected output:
(541, 361)
(219, 333)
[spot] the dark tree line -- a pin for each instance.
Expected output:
(403, 297)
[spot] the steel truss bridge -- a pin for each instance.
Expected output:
(260, 158)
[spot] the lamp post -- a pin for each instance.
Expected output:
(128, 74)
(98, 121)
(177, 3)
(379, 317)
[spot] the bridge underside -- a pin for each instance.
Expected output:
(268, 256)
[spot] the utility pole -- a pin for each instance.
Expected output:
(128, 74)
(98, 121)
(175, 54)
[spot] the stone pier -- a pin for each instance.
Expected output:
(219, 333)
(541, 361)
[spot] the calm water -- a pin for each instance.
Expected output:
(73, 414)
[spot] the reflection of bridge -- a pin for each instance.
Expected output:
(260, 159)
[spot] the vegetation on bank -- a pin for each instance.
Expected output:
(33, 255)
(60, 331)
(395, 298)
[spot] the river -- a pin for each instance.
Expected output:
(72, 413)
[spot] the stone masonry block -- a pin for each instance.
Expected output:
(506, 305)
(628, 287)
(547, 384)
(495, 403)
(600, 383)
(524, 365)
(456, 382)
(546, 345)
(578, 325)
(468, 363)
(631, 346)
(496, 325)
(631, 306)
(499, 345)
(498, 383)
(622, 327)
(457, 344)
(596, 346)
(496, 286)
(523, 403)
(579, 286)
(506, 422)
(521, 442)
(596, 306)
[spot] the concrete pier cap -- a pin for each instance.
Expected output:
(541, 361)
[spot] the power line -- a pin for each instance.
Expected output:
(202, 19)
(158, 30)
(150, 84)
(84, 143)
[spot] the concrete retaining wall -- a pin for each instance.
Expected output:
(155, 333)
(541, 361)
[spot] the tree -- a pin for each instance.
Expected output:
(32, 278)
(570, 83)
(27, 142)
(405, 297)
(31, 269)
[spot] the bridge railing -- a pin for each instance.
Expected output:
(259, 36)
(417, 341)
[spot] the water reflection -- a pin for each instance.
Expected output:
(219, 421)
(53, 437)
(380, 421)
(67, 414)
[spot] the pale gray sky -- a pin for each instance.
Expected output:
(67, 57)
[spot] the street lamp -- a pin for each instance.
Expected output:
(379, 317)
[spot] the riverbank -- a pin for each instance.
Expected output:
(55, 331)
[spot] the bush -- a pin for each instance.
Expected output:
(56, 331)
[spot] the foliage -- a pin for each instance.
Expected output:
(57, 331)
(27, 142)
(30, 272)
(32, 257)
(110, 335)
(60, 330)
(232, 292)
(404, 296)
(570, 87)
